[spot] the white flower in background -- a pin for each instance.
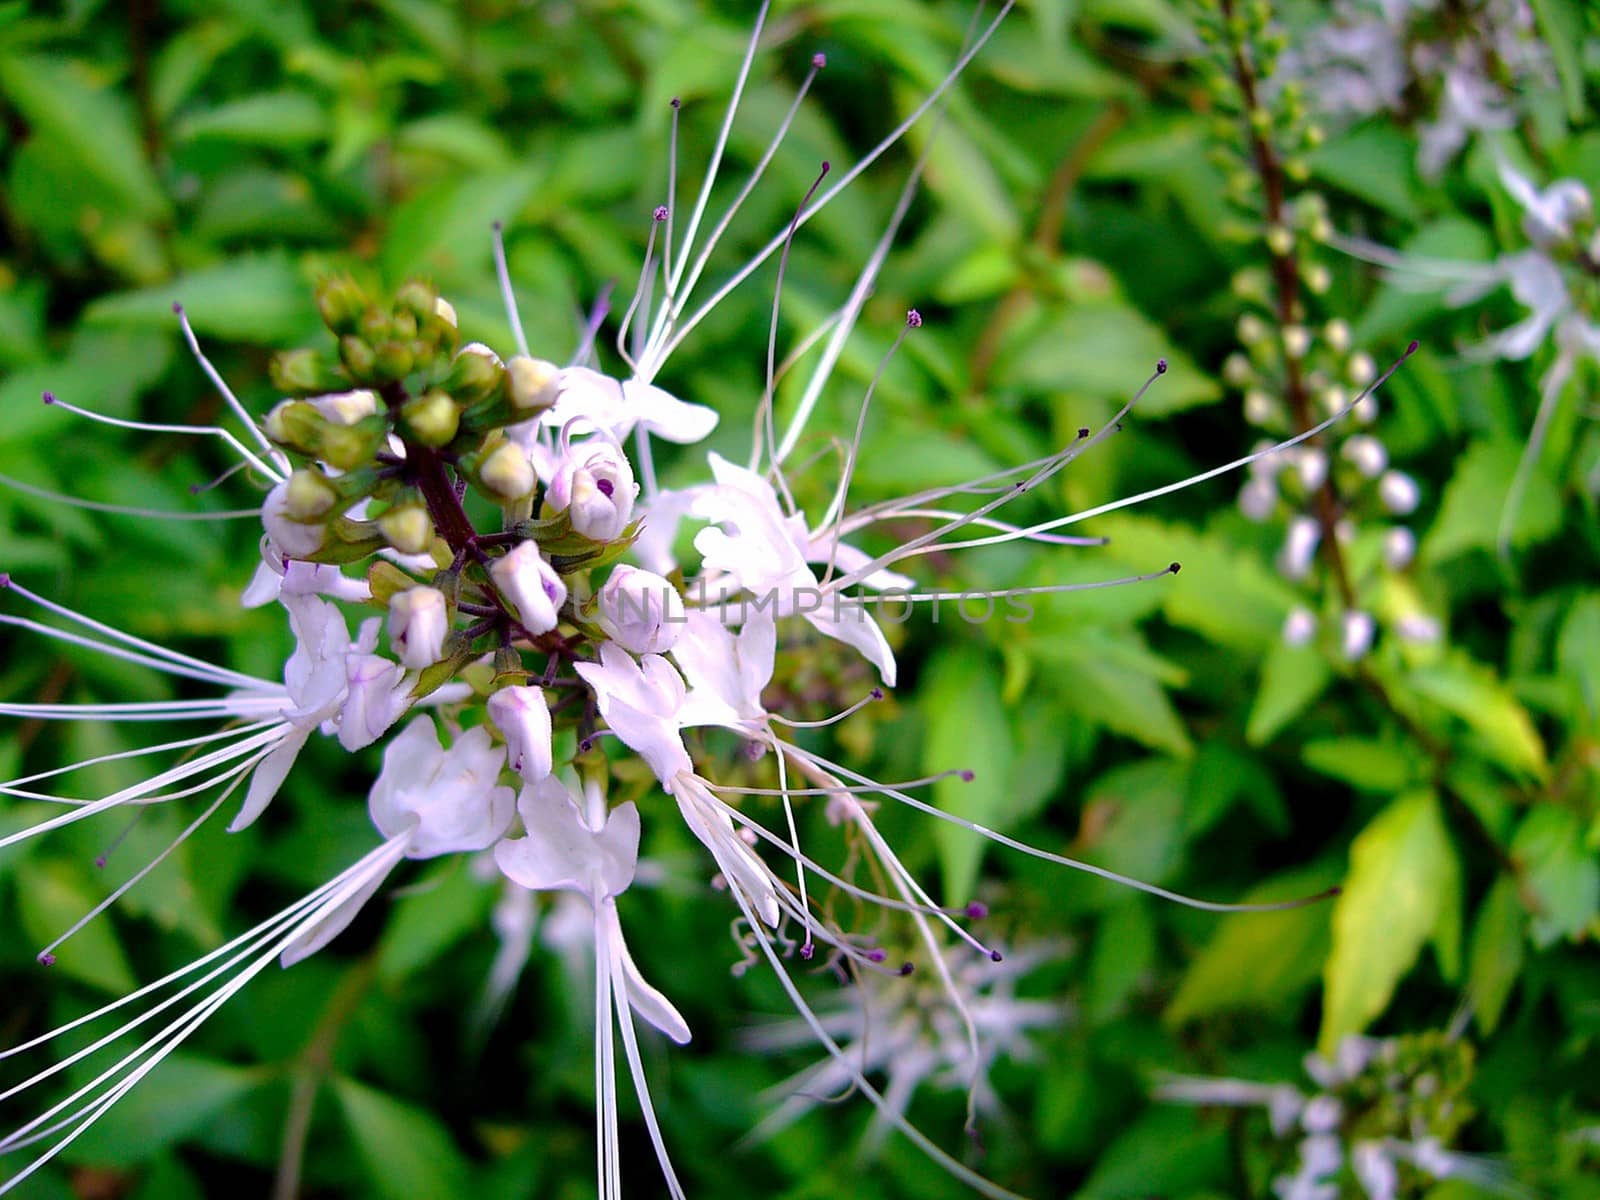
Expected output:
(1470, 64)
(918, 1035)
(1339, 1131)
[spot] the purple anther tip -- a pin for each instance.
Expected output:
(996, 956)
(877, 954)
(877, 693)
(967, 777)
(100, 861)
(5, 579)
(977, 910)
(1083, 431)
(497, 226)
(826, 166)
(1412, 349)
(907, 968)
(807, 951)
(1175, 567)
(586, 745)
(1161, 366)
(659, 214)
(49, 397)
(676, 103)
(913, 319)
(46, 959)
(177, 307)
(819, 60)
(606, 487)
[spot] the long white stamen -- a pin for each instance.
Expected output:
(204, 672)
(128, 795)
(271, 472)
(715, 160)
(279, 459)
(1179, 485)
(140, 752)
(642, 290)
(1049, 589)
(848, 178)
(919, 1139)
(196, 667)
(842, 493)
(1061, 859)
(508, 294)
(126, 510)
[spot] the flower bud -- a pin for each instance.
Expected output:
(346, 408)
(308, 495)
(1419, 629)
(1236, 369)
(1257, 498)
(445, 311)
(531, 586)
(1299, 627)
(1299, 546)
(1361, 369)
(594, 484)
(1399, 492)
(408, 528)
(506, 471)
(303, 372)
(532, 383)
(295, 538)
(1312, 467)
(522, 716)
(1357, 629)
(1366, 454)
(1252, 329)
(1259, 407)
(419, 619)
(474, 373)
(1337, 334)
(431, 418)
(1399, 548)
(1296, 340)
(640, 611)
(340, 303)
(358, 357)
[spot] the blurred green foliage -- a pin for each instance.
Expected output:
(1070, 228)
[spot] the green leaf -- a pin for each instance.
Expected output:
(1104, 350)
(281, 120)
(448, 228)
(407, 1152)
(1260, 961)
(1403, 889)
(430, 918)
(1367, 763)
(966, 729)
(1376, 163)
(1561, 22)
(86, 122)
(261, 300)
(1559, 871)
(1475, 500)
(1473, 693)
(176, 1100)
(52, 898)
(1291, 678)
(1118, 683)
(1124, 957)
(1495, 956)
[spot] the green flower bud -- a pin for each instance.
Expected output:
(474, 375)
(446, 312)
(294, 425)
(341, 303)
(358, 358)
(309, 495)
(506, 472)
(416, 299)
(531, 383)
(1280, 241)
(350, 446)
(407, 527)
(431, 418)
(305, 372)
(392, 361)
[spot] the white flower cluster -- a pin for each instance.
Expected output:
(1340, 1136)
(1469, 63)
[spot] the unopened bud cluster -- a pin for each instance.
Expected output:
(400, 434)
(1294, 368)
